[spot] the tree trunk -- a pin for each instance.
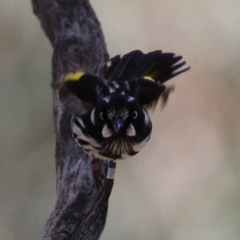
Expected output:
(78, 44)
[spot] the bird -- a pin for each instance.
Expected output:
(116, 124)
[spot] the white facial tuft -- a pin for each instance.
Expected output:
(106, 132)
(131, 131)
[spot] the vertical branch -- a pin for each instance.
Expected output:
(78, 44)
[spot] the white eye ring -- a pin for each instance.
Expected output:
(135, 114)
(101, 116)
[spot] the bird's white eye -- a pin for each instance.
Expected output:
(135, 114)
(102, 115)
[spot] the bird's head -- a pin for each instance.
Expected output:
(119, 115)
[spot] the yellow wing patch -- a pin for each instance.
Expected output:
(148, 78)
(74, 76)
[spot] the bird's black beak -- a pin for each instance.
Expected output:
(117, 125)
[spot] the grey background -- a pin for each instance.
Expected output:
(191, 189)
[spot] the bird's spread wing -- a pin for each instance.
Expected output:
(156, 66)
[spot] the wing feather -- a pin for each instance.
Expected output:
(154, 66)
(157, 65)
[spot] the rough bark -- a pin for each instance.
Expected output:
(78, 44)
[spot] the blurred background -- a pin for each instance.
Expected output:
(186, 183)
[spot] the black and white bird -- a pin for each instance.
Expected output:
(116, 123)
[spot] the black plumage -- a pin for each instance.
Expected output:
(157, 65)
(117, 124)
